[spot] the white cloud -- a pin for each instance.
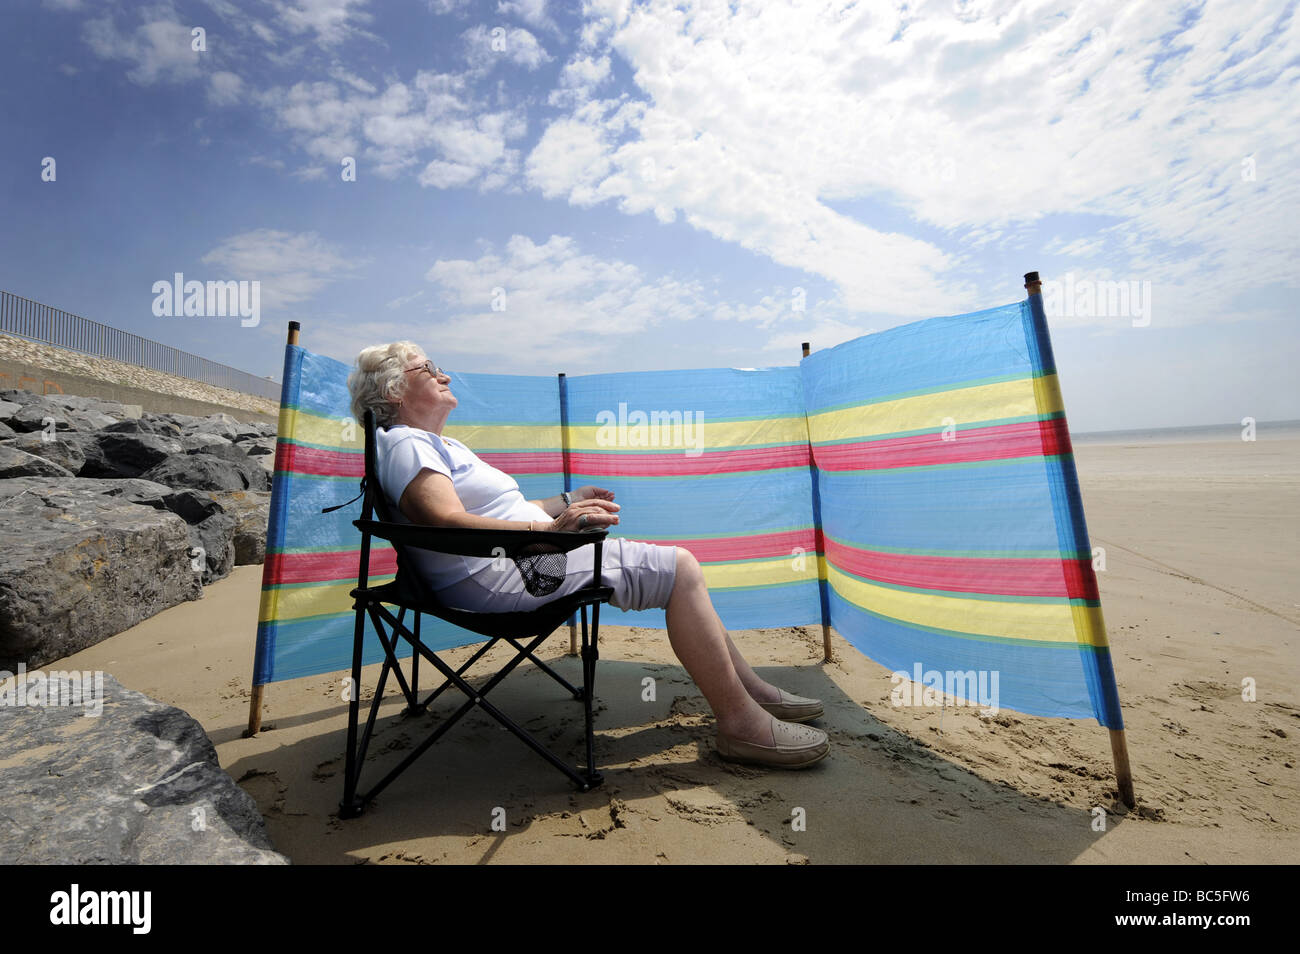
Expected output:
(532, 12)
(330, 21)
(487, 46)
(556, 298)
(758, 122)
(159, 48)
(579, 78)
(404, 300)
(292, 267)
(396, 130)
(224, 88)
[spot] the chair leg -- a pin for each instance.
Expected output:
(590, 653)
(351, 806)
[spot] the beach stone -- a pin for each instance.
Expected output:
(138, 783)
(8, 409)
(6, 431)
(78, 402)
(88, 421)
(211, 529)
(126, 455)
(209, 472)
(67, 449)
(258, 446)
(199, 442)
(144, 425)
(19, 396)
(33, 415)
(252, 511)
(224, 425)
(15, 462)
(80, 565)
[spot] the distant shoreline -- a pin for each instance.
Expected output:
(1264, 431)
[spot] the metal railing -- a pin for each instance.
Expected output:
(30, 319)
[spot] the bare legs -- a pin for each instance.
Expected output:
(708, 654)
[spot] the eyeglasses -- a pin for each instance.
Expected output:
(429, 366)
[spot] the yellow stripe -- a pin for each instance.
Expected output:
(296, 602)
(339, 433)
(760, 572)
(336, 433)
(663, 436)
(1027, 397)
(507, 437)
(1044, 622)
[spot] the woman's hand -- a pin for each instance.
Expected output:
(583, 515)
(592, 493)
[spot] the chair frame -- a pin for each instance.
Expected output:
(407, 592)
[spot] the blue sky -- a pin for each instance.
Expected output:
(657, 185)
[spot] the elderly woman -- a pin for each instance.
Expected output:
(438, 481)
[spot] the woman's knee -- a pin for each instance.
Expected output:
(689, 573)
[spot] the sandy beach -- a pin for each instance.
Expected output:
(1198, 594)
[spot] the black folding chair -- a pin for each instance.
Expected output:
(532, 552)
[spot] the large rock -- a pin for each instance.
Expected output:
(251, 510)
(127, 455)
(79, 566)
(6, 431)
(200, 443)
(8, 409)
(139, 783)
(112, 409)
(209, 472)
(40, 415)
(15, 462)
(144, 425)
(212, 532)
(66, 449)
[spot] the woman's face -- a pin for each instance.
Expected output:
(427, 399)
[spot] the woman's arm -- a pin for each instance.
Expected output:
(431, 499)
(555, 506)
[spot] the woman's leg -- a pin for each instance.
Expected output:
(706, 651)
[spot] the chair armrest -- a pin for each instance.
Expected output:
(477, 543)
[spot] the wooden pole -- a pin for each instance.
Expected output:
(255, 703)
(806, 347)
(1118, 742)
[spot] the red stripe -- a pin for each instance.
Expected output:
(526, 462)
(991, 575)
(680, 464)
(323, 567)
(314, 460)
(1029, 439)
(717, 549)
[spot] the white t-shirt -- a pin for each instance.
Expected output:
(402, 452)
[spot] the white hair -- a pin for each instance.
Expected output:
(379, 380)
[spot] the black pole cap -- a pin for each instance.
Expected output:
(295, 326)
(1031, 277)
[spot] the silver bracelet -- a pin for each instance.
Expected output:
(568, 501)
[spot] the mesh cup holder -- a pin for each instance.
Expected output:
(542, 566)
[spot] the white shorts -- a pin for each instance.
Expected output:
(641, 574)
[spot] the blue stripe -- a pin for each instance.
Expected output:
(718, 505)
(923, 356)
(719, 394)
(1034, 680)
(1005, 506)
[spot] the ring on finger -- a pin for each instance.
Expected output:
(582, 522)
